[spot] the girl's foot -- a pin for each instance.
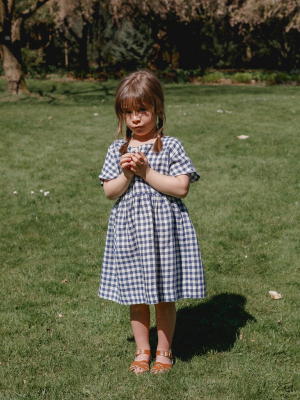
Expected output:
(141, 362)
(164, 361)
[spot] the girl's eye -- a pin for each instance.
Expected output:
(127, 112)
(142, 109)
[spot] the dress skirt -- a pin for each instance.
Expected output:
(151, 253)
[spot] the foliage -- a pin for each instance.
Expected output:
(59, 340)
(282, 77)
(242, 77)
(213, 77)
(258, 12)
(128, 46)
(187, 35)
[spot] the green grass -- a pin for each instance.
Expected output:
(58, 339)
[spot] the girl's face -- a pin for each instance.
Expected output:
(141, 121)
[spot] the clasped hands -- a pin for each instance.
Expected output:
(134, 164)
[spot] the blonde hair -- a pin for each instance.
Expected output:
(140, 89)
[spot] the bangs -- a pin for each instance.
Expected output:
(134, 98)
(133, 104)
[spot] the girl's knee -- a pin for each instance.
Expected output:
(139, 308)
(165, 307)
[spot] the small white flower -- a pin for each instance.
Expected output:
(46, 193)
(228, 112)
(242, 137)
(184, 113)
(95, 114)
(246, 256)
(220, 111)
(41, 191)
(15, 192)
(32, 192)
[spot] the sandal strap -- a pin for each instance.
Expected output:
(140, 364)
(167, 354)
(158, 366)
(142, 351)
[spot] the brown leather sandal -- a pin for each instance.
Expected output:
(142, 364)
(159, 367)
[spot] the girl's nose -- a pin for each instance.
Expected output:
(135, 115)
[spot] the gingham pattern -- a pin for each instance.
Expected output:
(151, 253)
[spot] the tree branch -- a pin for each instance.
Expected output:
(31, 10)
(72, 33)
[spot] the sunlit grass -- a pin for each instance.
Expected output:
(59, 340)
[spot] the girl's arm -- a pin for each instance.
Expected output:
(114, 188)
(177, 186)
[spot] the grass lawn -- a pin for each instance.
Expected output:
(58, 339)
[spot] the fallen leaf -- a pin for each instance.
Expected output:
(275, 295)
(64, 281)
(242, 137)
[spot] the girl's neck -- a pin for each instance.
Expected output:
(136, 140)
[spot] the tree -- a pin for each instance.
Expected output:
(129, 46)
(11, 23)
(73, 19)
(270, 30)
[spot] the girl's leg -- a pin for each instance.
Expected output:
(165, 324)
(140, 322)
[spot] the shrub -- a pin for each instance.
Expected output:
(296, 78)
(282, 77)
(213, 77)
(181, 76)
(268, 77)
(242, 77)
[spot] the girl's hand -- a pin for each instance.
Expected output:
(139, 164)
(125, 164)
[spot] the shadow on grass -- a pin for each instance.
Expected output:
(79, 92)
(213, 325)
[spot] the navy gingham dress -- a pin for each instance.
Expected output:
(152, 253)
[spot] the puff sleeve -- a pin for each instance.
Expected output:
(181, 164)
(111, 168)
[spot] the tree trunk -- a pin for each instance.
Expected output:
(10, 43)
(13, 70)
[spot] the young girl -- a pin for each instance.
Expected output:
(151, 254)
